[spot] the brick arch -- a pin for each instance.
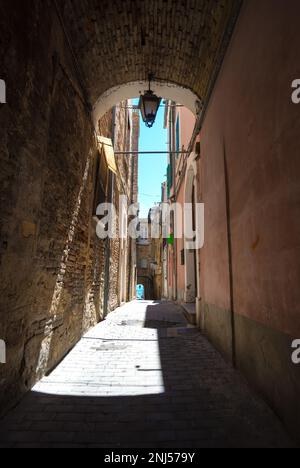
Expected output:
(181, 42)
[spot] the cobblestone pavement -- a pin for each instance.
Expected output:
(142, 378)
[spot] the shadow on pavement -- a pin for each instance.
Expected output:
(198, 400)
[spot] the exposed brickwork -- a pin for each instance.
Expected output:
(47, 149)
(122, 41)
(51, 262)
(95, 274)
(135, 147)
(105, 125)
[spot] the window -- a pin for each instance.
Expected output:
(128, 134)
(101, 184)
(182, 255)
(144, 264)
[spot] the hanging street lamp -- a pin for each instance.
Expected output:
(149, 105)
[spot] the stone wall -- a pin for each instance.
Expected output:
(52, 265)
(95, 304)
(135, 147)
(47, 148)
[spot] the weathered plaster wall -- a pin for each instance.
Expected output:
(180, 246)
(250, 185)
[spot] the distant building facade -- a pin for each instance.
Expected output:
(116, 175)
(180, 263)
(149, 255)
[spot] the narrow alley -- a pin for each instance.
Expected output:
(149, 223)
(143, 378)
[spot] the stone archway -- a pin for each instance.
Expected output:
(116, 45)
(167, 90)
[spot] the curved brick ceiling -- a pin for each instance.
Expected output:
(180, 41)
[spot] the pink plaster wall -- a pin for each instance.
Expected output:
(252, 119)
(187, 123)
(180, 246)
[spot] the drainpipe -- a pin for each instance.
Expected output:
(172, 142)
(170, 162)
(175, 200)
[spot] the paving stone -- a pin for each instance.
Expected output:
(174, 392)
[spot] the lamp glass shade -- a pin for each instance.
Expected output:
(149, 105)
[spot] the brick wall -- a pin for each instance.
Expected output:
(97, 251)
(135, 147)
(51, 262)
(121, 41)
(46, 149)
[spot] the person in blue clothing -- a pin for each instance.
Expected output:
(140, 292)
